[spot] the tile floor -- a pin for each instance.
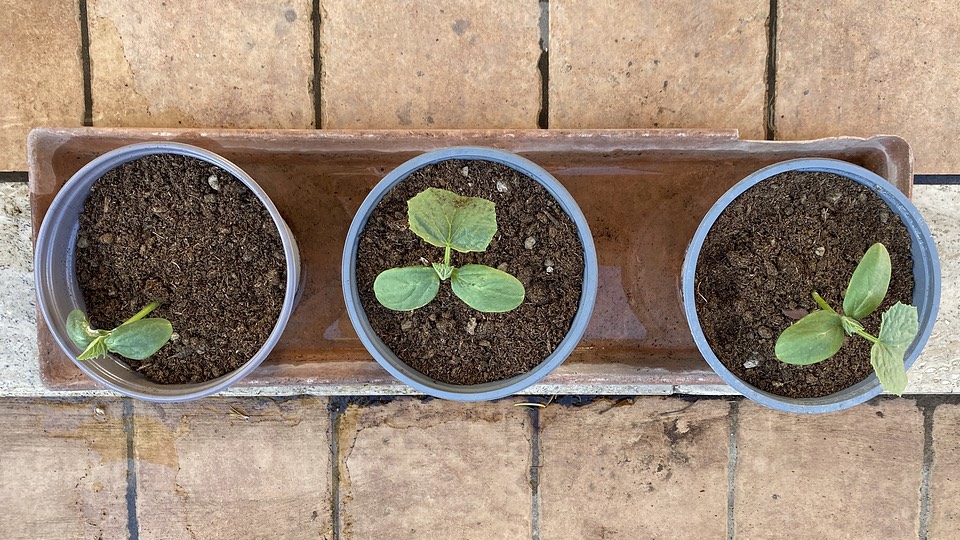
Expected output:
(99, 466)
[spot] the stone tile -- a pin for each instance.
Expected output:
(937, 370)
(853, 474)
(41, 81)
(18, 327)
(657, 63)
(233, 468)
(227, 63)
(445, 64)
(888, 69)
(945, 473)
(414, 469)
(63, 468)
(654, 469)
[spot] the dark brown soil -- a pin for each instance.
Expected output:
(762, 260)
(188, 234)
(446, 339)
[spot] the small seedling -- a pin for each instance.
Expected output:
(819, 335)
(137, 338)
(450, 221)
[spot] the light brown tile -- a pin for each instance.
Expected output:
(233, 468)
(653, 469)
(444, 64)
(658, 63)
(63, 468)
(945, 473)
(41, 81)
(412, 469)
(846, 70)
(226, 63)
(853, 474)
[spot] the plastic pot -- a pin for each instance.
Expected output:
(926, 292)
(478, 392)
(58, 292)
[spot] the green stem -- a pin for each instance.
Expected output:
(867, 336)
(822, 303)
(142, 313)
(446, 256)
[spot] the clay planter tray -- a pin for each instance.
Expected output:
(642, 191)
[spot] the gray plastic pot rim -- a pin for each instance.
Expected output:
(58, 228)
(926, 291)
(479, 392)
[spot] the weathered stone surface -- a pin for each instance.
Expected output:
(233, 468)
(853, 474)
(410, 469)
(41, 82)
(445, 64)
(654, 469)
(846, 70)
(945, 473)
(225, 63)
(63, 468)
(658, 63)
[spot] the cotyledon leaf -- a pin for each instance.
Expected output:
(140, 339)
(869, 283)
(403, 289)
(487, 289)
(812, 339)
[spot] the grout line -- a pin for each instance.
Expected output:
(535, 464)
(543, 66)
(315, 20)
(85, 65)
(936, 179)
(926, 471)
(133, 525)
(733, 456)
(770, 110)
(336, 407)
(14, 176)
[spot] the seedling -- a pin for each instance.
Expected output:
(137, 338)
(450, 221)
(820, 334)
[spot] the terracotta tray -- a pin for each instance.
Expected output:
(643, 192)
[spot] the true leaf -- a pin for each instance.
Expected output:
(812, 339)
(869, 283)
(898, 328)
(78, 329)
(140, 339)
(403, 289)
(95, 349)
(443, 218)
(487, 289)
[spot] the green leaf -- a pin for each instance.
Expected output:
(403, 289)
(812, 339)
(79, 331)
(899, 326)
(487, 289)
(443, 219)
(888, 365)
(96, 349)
(869, 283)
(140, 339)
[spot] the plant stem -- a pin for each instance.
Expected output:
(822, 303)
(142, 313)
(446, 256)
(867, 336)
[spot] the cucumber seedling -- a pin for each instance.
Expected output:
(137, 338)
(453, 222)
(820, 334)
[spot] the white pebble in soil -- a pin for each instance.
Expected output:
(750, 364)
(472, 325)
(465, 172)
(820, 251)
(529, 242)
(502, 187)
(214, 182)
